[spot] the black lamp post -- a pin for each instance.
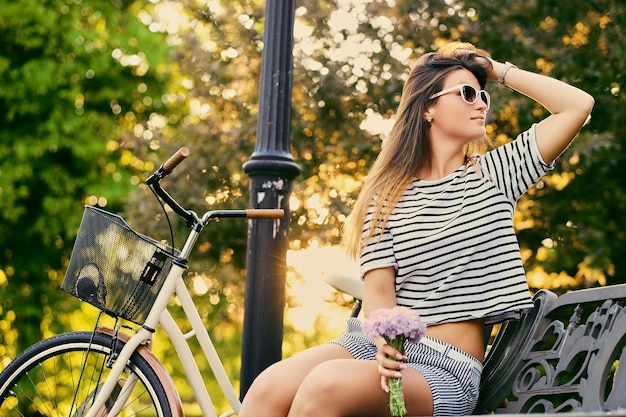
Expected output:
(271, 169)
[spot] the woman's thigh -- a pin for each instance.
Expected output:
(348, 387)
(272, 392)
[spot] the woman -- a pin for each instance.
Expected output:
(433, 227)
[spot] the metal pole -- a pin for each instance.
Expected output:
(271, 169)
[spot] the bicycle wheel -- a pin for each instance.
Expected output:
(60, 377)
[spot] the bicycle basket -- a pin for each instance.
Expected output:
(116, 269)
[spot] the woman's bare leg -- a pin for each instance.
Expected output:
(352, 388)
(272, 392)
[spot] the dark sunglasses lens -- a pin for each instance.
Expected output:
(485, 97)
(469, 93)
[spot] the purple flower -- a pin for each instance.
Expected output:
(393, 322)
(396, 325)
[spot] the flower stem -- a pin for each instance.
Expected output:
(396, 393)
(396, 397)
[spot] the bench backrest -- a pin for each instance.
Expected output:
(563, 355)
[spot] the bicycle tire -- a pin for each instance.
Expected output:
(60, 375)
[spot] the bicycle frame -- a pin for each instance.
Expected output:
(159, 314)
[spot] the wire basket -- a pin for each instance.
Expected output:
(116, 269)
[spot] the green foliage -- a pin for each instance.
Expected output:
(577, 216)
(89, 104)
(72, 74)
(570, 226)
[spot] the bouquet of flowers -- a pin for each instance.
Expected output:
(396, 325)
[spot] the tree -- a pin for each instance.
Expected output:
(350, 61)
(77, 79)
(571, 226)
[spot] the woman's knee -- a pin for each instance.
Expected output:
(323, 379)
(278, 384)
(271, 387)
(274, 374)
(324, 391)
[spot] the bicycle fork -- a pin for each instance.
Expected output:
(123, 387)
(132, 344)
(115, 388)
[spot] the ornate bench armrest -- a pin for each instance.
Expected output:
(563, 355)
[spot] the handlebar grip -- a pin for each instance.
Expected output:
(175, 159)
(265, 213)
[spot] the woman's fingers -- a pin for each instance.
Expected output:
(387, 352)
(390, 364)
(384, 384)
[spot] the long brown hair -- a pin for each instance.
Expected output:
(407, 149)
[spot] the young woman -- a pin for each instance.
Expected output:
(433, 228)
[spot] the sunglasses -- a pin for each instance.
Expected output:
(469, 94)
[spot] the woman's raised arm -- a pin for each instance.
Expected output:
(569, 106)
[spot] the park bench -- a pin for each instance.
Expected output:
(564, 355)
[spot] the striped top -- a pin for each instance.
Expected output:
(452, 241)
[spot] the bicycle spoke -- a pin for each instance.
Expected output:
(60, 381)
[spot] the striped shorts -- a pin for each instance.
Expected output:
(453, 375)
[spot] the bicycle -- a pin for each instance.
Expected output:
(129, 276)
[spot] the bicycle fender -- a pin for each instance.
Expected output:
(170, 389)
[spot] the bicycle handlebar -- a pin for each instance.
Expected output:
(169, 165)
(265, 213)
(191, 218)
(244, 214)
(175, 159)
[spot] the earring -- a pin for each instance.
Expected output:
(429, 122)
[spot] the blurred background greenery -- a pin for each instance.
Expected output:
(94, 94)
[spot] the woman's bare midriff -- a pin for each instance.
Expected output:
(467, 336)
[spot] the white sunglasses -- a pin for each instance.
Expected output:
(468, 93)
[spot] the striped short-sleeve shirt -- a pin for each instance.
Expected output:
(452, 242)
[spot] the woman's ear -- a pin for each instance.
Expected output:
(428, 115)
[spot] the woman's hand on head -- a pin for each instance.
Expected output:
(492, 66)
(480, 56)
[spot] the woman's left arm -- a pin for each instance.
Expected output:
(380, 292)
(569, 107)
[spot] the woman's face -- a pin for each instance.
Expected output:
(453, 119)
